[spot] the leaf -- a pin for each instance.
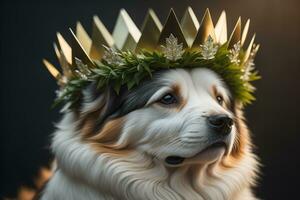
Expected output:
(130, 84)
(138, 67)
(113, 73)
(101, 83)
(146, 67)
(117, 86)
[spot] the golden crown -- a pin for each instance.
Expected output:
(83, 51)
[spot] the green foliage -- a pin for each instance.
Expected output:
(137, 67)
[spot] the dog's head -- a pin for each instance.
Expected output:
(179, 117)
(151, 139)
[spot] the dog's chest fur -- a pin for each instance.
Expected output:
(80, 177)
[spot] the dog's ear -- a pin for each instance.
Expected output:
(99, 105)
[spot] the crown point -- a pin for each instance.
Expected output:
(173, 27)
(206, 29)
(65, 48)
(190, 25)
(57, 53)
(248, 50)
(62, 61)
(221, 28)
(151, 30)
(245, 32)
(78, 51)
(155, 19)
(53, 71)
(235, 36)
(83, 37)
(100, 36)
(257, 47)
(126, 34)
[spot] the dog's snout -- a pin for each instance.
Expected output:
(220, 123)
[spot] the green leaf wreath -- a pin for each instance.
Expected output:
(125, 68)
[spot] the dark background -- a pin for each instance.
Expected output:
(27, 90)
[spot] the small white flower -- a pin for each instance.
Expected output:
(249, 64)
(112, 56)
(209, 49)
(82, 70)
(61, 93)
(234, 53)
(173, 51)
(247, 70)
(254, 50)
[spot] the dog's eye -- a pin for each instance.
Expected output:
(168, 99)
(220, 99)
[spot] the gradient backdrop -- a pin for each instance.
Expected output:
(27, 90)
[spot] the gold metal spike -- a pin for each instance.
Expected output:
(100, 36)
(63, 62)
(83, 37)
(172, 26)
(151, 30)
(190, 25)
(256, 48)
(57, 52)
(126, 34)
(206, 29)
(245, 32)
(248, 51)
(129, 43)
(221, 28)
(79, 52)
(53, 71)
(235, 36)
(65, 48)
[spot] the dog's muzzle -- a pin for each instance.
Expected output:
(221, 125)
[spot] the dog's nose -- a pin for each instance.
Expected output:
(220, 123)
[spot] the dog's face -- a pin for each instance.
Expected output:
(179, 117)
(186, 120)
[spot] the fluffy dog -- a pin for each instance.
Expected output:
(179, 135)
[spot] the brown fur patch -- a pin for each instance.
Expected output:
(109, 133)
(216, 93)
(183, 101)
(105, 142)
(88, 122)
(242, 140)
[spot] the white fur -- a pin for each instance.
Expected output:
(154, 132)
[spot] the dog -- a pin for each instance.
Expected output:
(178, 135)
